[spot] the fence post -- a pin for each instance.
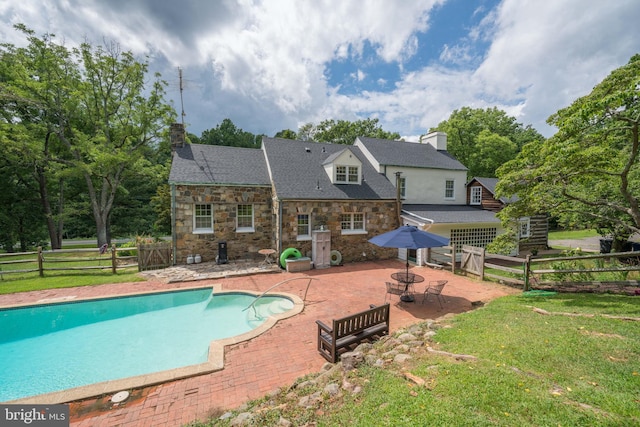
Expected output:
(482, 255)
(453, 258)
(40, 268)
(113, 258)
(527, 270)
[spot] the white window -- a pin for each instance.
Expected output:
(524, 227)
(476, 195)
(352, 223)
(203, 219)
(403, 187)
(347, 174)
(304, 227)
(449, 189)
(244, 219)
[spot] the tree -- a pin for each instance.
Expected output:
(483, 139)
(227, 133)
(588, 173)
(36, 84)
(343, 131)
(286, 134)
(88, 115)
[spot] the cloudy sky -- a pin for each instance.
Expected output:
(270, 65)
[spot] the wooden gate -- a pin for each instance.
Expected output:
(472, 260)
(153, 256)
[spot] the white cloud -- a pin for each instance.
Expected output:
(262, 63)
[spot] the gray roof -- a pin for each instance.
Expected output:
(451, 214)
(410, 154)
(297, 172)
(215, 164)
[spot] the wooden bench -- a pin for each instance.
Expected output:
(351, 330)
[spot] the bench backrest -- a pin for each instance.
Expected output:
(360, 321)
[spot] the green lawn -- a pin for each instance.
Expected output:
(572, 234)
(531, 369)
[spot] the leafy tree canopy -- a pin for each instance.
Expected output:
(344, 131)
(88, 116)
(286, 134)
(227, 133)
(588, 173)
(483, 139)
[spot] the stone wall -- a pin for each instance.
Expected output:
(225, 200)
(380, 217)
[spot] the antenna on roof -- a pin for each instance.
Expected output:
(181, 90)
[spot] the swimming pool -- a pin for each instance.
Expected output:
(54, 347)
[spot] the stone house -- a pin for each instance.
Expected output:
(279, 196)
(318, 197)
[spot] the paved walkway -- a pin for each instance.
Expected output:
(277, 357)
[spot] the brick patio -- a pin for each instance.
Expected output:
(277, 357)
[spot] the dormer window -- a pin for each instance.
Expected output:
(343, 167)
(347, 174)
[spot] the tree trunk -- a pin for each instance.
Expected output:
(56, 242)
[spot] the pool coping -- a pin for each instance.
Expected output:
(214, 363)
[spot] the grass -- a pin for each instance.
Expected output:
(56, 280)
(572, 234)
(532, 369)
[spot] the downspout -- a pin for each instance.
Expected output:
(174, 234)
(279, 225)
(398, 199)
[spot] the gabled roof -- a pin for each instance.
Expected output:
(297, 172)
(451, 214)
(490, 185)
(410, 154)
(215, 164)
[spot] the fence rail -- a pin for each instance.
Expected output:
(523, 271)
(42, 261)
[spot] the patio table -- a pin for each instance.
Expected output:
(408, 279)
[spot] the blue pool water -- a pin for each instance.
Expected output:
(54, 347)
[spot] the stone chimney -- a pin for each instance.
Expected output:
(437, 139)
(177, 136)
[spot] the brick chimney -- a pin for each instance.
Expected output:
(177, 136)
(437, 139)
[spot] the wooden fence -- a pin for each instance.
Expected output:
(441, 257)
(41, 261)
(153, 256)
(558, 273)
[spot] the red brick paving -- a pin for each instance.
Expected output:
(274, 359)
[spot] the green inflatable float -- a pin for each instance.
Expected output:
(289, 253)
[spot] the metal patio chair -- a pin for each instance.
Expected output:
(435, 288)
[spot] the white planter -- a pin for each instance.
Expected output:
(197, 259)
(190, 259)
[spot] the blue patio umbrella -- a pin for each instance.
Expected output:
(409, 237)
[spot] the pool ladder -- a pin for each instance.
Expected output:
(276, 285)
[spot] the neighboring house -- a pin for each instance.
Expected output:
(533, 231)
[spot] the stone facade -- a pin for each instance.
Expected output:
(225, 200)
(380, 217)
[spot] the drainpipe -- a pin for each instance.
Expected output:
(279, 248)
(398, 199)
(174, 234)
